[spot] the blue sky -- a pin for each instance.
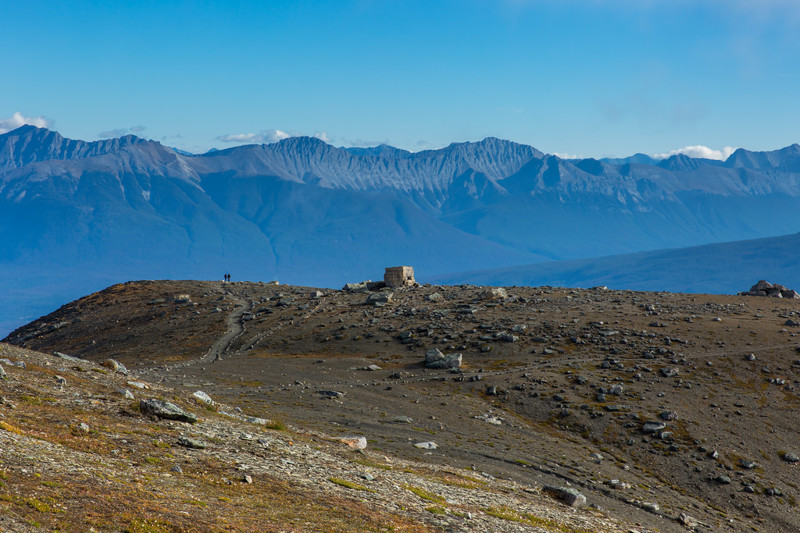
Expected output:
(578, 77)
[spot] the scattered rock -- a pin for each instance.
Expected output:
(126, 393)
(429, 445)
(202, 397)
(166, 410)
(330, 393)
(790, 457)
(490, 418)
(669, 372)
(567, 495)
(68, 357)
(452, 360)
(361, 286)
(495, 293)
(188, 442)
(116, 366)
(3, 374)
(377, 298)
(653, 426)
(747, 465)
(357, 443)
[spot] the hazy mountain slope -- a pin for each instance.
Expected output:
(307, 212)
(724, 268)
(328, 237)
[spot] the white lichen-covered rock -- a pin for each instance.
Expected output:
(202, 397)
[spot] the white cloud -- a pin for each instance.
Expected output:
(561, 155)
(119, 132)
(263, 137)
(323, 136)
(698, 150)
(18, 119)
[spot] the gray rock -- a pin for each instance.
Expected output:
(166, 410)
(433, 355)
(116, 366)
(177, 469)
(452, 360)
(383, 297)
(722, 479)
(669, 372)
(3, 374)
(330, 393)
(747, 465)
(429, 445)
(790, 457)
(668, 415)
(650, 507)
(126, 393)
(653, 426)
(203, 397)
(68, 357)
(361, 286)
(495, 293)
(188, 442)
(616, 390)
(567, 495)
(762, 285)
(435, 297)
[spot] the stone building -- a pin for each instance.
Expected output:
(401, 276)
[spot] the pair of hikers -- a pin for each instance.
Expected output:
(226, 278)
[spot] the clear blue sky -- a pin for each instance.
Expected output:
(583, 77)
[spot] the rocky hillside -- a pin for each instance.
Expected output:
(92, 448)
(668, 411)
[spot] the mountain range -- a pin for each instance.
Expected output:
(77, 216)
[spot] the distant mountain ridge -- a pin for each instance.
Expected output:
(76, 216)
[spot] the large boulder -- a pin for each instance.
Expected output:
(165, 410)
(495, 293)
(434, 361)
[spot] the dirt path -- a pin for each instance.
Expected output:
(235, 328)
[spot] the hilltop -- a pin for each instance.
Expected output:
(654, 405)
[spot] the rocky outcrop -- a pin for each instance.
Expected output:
(773, 290)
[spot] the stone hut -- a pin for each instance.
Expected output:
(402, 276)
